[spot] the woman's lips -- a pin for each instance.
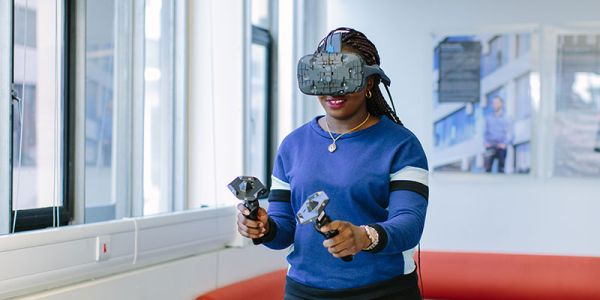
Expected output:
(335, 102)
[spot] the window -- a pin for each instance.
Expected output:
(522, 44)
(260, 13)
(38, 119)
(158, 106)
(117, 127)
(258, 129)
(111, 110)
(454, 129)
(496, 57)
(25, 25)
(258, 108)
(107, 64)
(523, 94)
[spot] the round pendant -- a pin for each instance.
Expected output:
(332, 147)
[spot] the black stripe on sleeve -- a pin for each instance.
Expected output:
(269, 236)
(280, 196)
(414, 186)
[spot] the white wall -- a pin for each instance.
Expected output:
(533, 214)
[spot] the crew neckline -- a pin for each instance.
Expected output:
(314, 123)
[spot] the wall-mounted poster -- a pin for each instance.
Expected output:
(490, 134)
(577, 116)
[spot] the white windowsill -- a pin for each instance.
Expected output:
(39, 260)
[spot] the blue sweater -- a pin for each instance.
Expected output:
(377, 176)
(498, 130)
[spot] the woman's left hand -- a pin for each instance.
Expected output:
(350, 240)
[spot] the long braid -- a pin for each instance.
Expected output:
(358, 42)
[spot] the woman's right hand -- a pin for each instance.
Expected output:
(250, 228)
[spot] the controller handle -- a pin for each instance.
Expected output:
(329, 234)
(252, 206)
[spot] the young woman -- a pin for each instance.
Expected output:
(375, 173)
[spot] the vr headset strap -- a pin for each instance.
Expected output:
(333, 44)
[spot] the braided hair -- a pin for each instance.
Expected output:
(356, 41)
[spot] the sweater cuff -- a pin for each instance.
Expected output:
(383, 238)
(270, 234)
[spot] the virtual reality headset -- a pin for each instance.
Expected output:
(335, 73)
(331, 72)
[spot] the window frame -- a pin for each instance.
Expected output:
(5, 107)
(130, 114)
(262, 37)
(39, 218)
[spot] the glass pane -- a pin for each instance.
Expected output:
(577, 123)
(260, 13)
(497, 55)
(523, 94)
(158, 107)
(257, 129)
(38, 119)
(522, 44)
(100, 107)
(454, 128)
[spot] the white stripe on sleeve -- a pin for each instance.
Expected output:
(411, 174)
(278, 184)
(409, 261)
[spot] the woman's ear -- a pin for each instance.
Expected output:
(370, 83)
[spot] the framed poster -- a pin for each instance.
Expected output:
(492, 133)
(577, 113)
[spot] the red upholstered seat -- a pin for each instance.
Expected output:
(464, 276)
(468, 276)
(269, 286)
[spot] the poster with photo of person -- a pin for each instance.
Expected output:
(577, 115)
(482, 103)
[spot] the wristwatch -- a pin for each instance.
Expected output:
(373, 236)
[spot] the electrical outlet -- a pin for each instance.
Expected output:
(103, 248)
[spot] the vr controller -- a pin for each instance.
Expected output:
(248, 189)
(313, 210)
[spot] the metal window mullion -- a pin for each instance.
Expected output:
(79, 113)
(137, 112)
(6, 9)
(180, 130)
(122, 129)
(166, 50)
(247, 78)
